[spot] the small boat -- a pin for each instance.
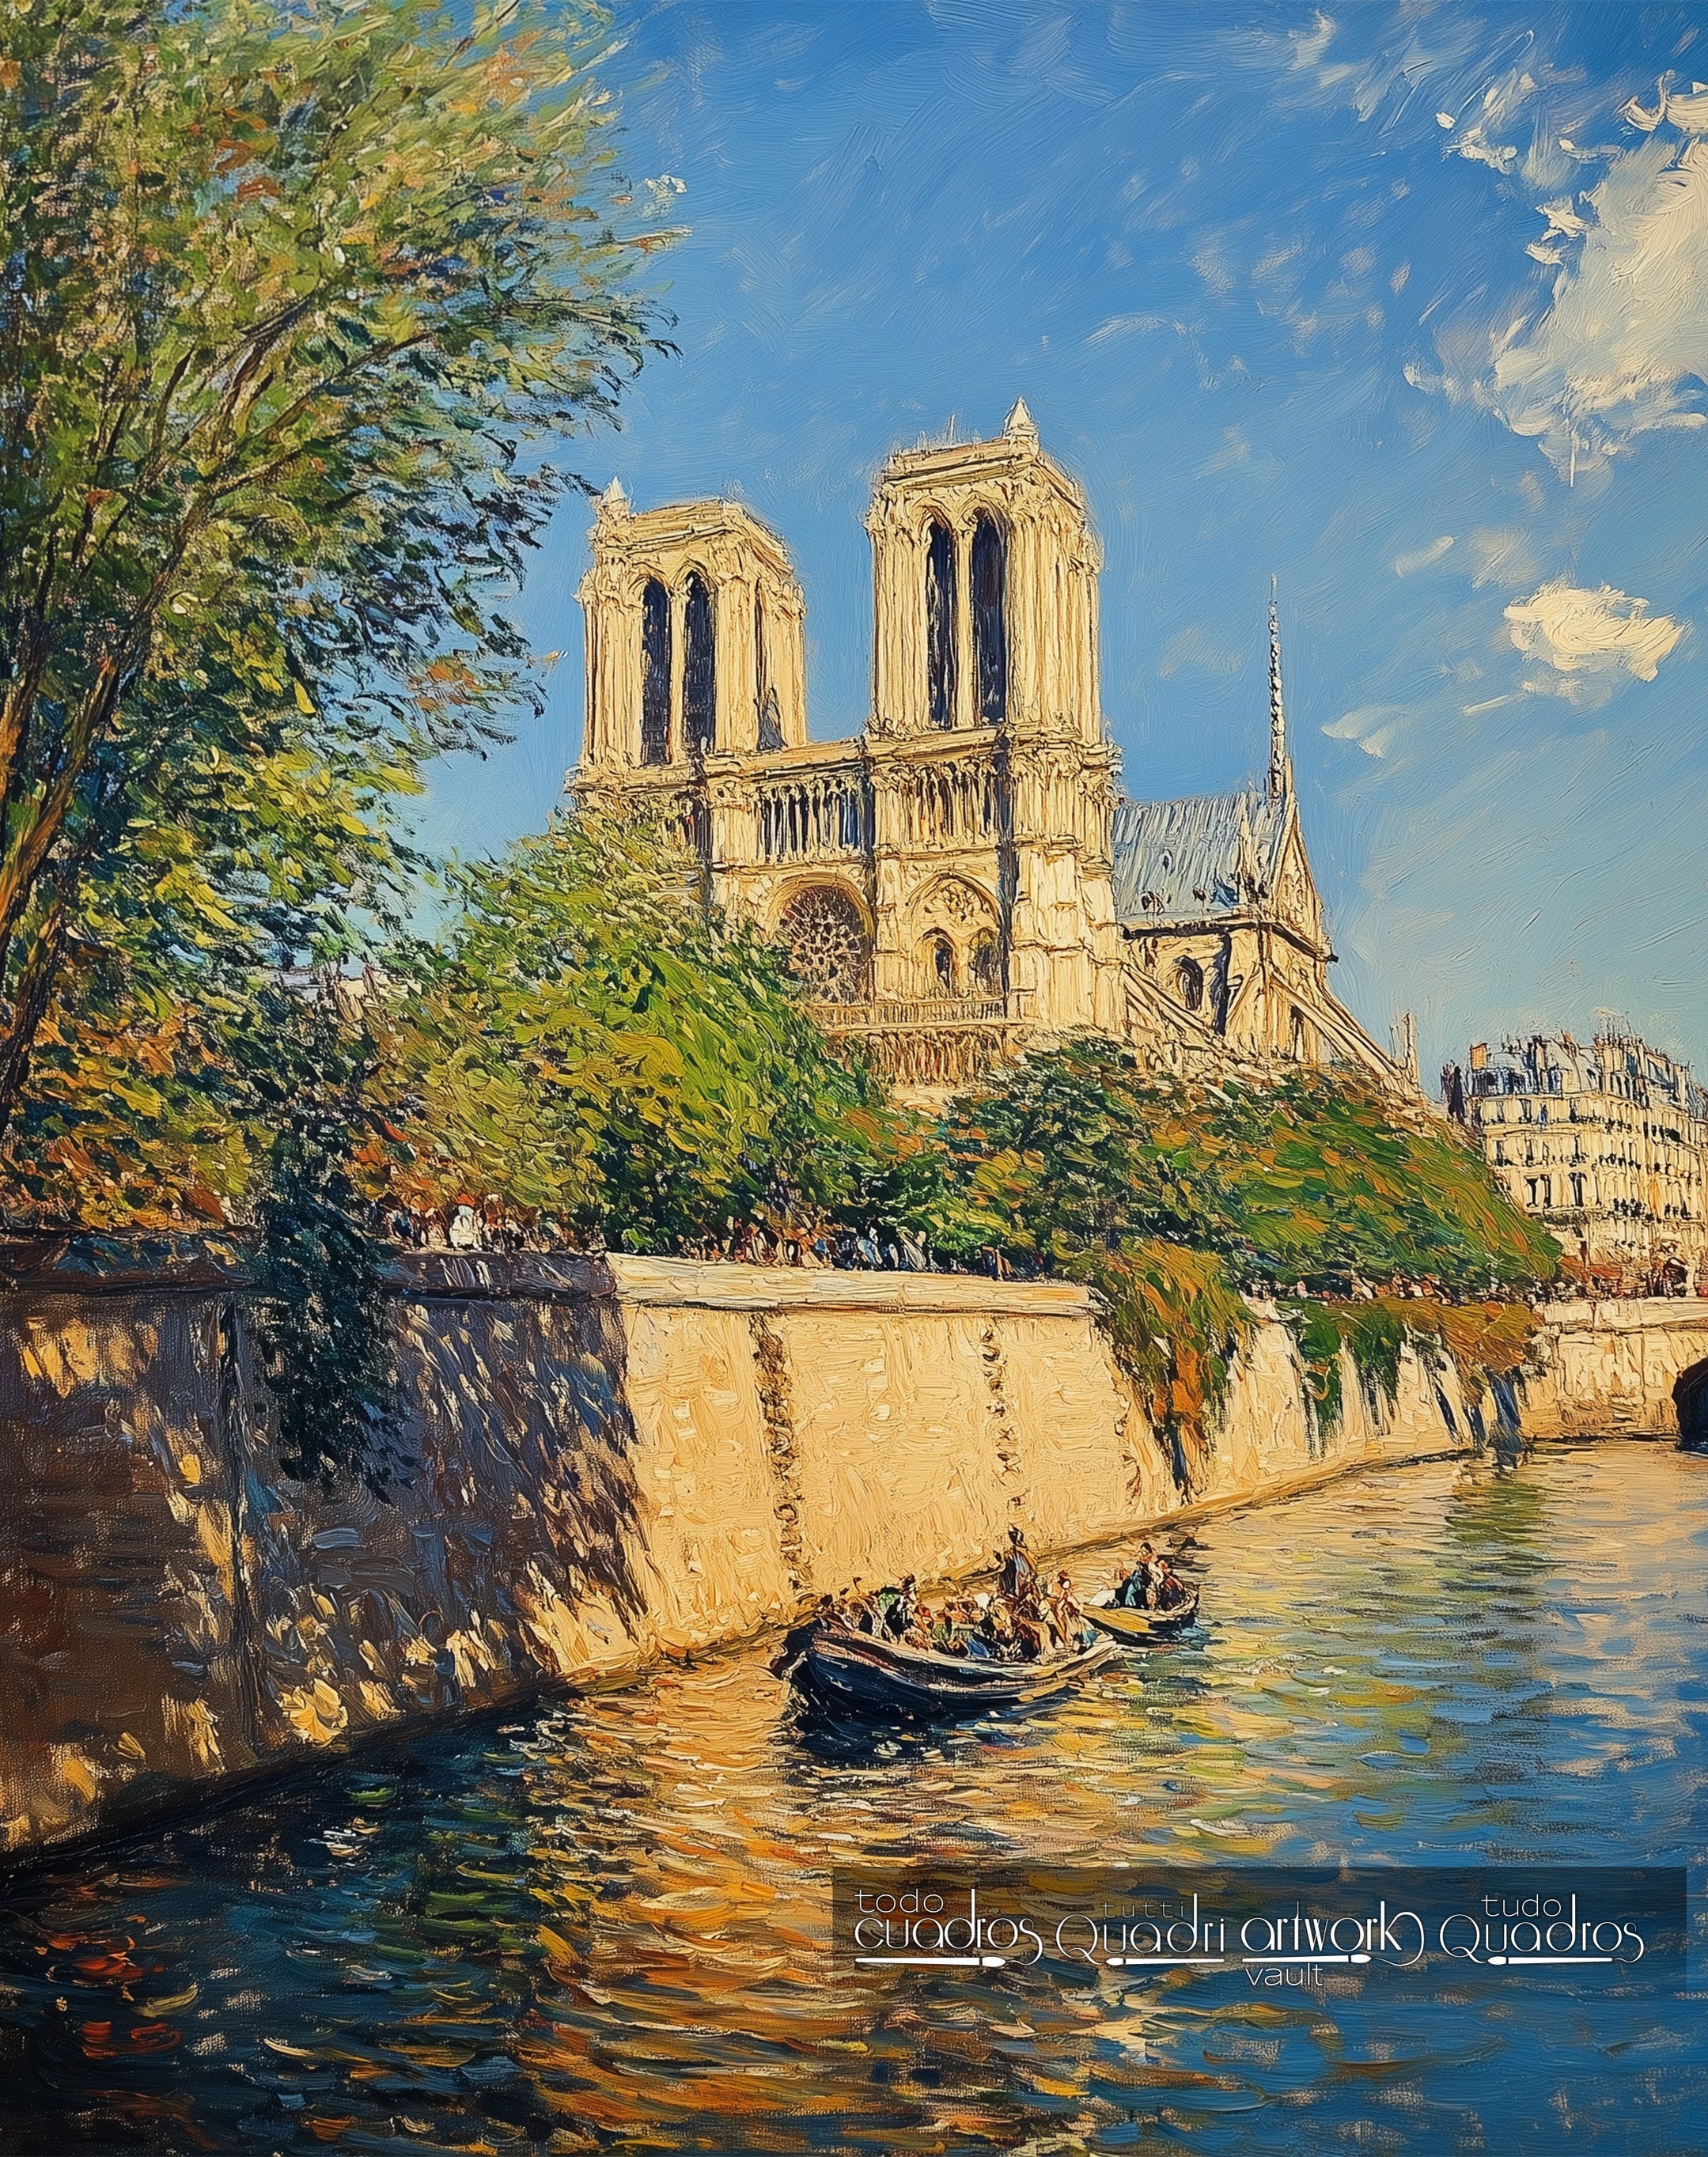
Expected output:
(858, 1670)
(1136, 1627)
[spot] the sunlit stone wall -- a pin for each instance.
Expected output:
(599, 1464)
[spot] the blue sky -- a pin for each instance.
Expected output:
(1406, 305)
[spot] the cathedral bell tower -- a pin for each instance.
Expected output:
(693, 639)
(993, 778)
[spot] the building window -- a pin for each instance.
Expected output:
(990, 628)
(1188, 975)
(827, 946)
(939, 624)
(985, 966)
(770, 724)
(655, 674)
(939, 962)
(1577, 1190)
(700, 679)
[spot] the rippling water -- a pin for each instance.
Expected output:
(602, 1927)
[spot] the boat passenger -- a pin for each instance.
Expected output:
(943, 1639)
(997, 1630)
(969, 1636)
(1067, 1620)
(1144, 1588)
(1018, 1571)
(1170, 1591)
(896, 1607)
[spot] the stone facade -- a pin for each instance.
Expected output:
(1607, 1142)
(964, 875)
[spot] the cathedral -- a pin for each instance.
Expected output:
(965, 877)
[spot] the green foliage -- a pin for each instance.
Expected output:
(1175, 1322)
(1166, 1195)
(1375, 1333)
(588, 1043)
(322, 1320)
(1481, 1340)
(1312, 1178)
(287, 297)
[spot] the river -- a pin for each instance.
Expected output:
(600, 1926)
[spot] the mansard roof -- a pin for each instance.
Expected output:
(1176, 862)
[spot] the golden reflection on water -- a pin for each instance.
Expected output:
(607, 1929)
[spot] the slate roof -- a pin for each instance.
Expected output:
(1194, 859)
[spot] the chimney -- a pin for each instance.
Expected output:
(1479, 1056)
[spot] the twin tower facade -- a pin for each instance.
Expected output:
(963, 878)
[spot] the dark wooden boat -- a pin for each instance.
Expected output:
(1136, 1627)
(874, 1676)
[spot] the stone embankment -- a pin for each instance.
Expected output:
(602, 1463)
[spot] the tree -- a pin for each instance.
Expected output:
(588, 1043)
(288, 292)
(1312, 1178)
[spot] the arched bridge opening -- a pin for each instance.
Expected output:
(1690, 1399)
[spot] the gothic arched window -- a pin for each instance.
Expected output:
(655, 674)
(770, 724)
(985, 965)
(699, 682)
(939, 962)
(990, 628)
(1189, 976)
(939, 624)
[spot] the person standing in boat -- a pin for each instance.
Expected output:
(1018, 1574)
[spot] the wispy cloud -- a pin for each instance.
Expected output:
(1195, 647)
(1587, 639)
(1405, 565)
(1503, 554)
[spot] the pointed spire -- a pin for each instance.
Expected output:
(613, 503)
(1279, 762)
(1019, 425)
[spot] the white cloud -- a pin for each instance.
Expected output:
(1308, 46)
(1403, 564)
(1621, 349)
(1374, 727)
(1587, 639)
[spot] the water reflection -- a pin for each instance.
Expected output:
(602, 1928)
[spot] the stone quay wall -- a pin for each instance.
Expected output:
(1608, 1369)
(602, 1462)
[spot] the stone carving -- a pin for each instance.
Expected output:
(826, 939)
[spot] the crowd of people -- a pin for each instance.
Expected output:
(1024, 1617)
